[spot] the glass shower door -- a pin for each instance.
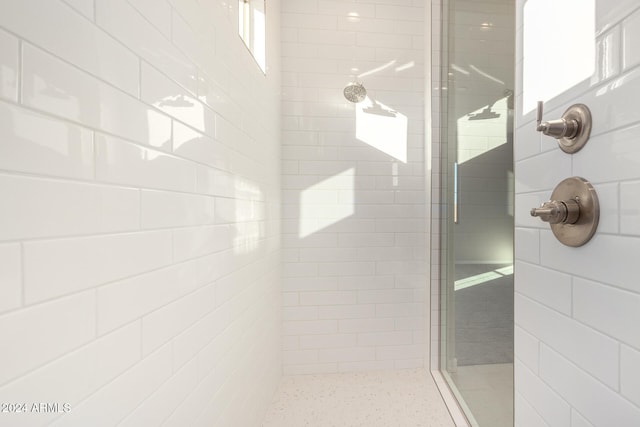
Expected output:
(477, 286)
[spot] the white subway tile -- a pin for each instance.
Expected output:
(8, 67)
(613, 258)
(160, 209)
(577, 420)
(609, 13)
(525, 414)
(81, 43)
(167, 96)
(291, 284)
(161, 404)
(130, 299)
(322, 255)
(589, 298)
(53, 329)
(196, 146)
(165, 323)
(353, 268)
(598, 403)
(158, 13)
(121, 162)
(347, 354)
(232, 285)
(308, 20)
(415, 324)
(609, 198)
(400, 352)
(630, 36)
(10, 277)
(299, 269)
(85, 7)
(365, 239)
(37, 208)
(290, 299)
(385, 338)
(613, 156)
(57, 267)
(399, 310)
(82, 98)
(215, 96)
(553, 408)
(629, 208)
(299, 313)
(78, 373)
(214, 182)
(123, 22)
(392, 11)
(196, 39)
(340, 8)
(542, 172)
(608, 58)
(327, 341)
(312, 368)
(111, 404)
(327, 298)
(630, 374)
(587, 348)
(548, 287)
(310, 327)
(195, 242)
(34, 143)
(526, 349)
(385, 296)
(296, 357)
(346, 311)
(194, 339)
(373, 282)
(527, 247)
(367, 366)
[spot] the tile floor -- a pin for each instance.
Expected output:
(372, 399)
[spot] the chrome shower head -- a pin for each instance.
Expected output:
(355, 92)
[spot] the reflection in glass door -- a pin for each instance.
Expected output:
(477, 295)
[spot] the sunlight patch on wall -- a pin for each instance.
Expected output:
(327, 202)
(382, 128)
(560, 53)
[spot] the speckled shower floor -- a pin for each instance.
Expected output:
(372, 399)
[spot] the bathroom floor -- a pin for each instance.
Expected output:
(373, 399)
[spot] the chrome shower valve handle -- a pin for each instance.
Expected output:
(573, 211)
(558, 211)
(572, 130)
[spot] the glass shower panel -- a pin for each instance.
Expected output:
(477, 286)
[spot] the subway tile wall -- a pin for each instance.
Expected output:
(576, 309)
(140, 228)
(354, 193)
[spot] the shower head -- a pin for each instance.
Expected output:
(355, 92)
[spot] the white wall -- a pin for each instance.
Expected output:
(139, 225)
(353, 206)
(576, 309)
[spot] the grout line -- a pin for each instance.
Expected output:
(20, 73)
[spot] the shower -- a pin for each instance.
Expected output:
(355, 92)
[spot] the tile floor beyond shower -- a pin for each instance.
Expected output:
(373, 399)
